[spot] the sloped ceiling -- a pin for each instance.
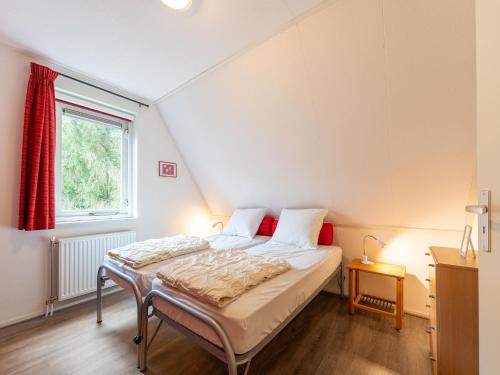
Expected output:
(364, 107)
(141, 46)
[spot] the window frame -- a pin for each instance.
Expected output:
(90, 112)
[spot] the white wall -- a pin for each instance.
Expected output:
(165, 206)
(365, 107)
(488, 156)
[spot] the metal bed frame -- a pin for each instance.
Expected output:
(102, 273)
(102, 277)
(226, 354)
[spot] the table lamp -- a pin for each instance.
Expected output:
(380, 243)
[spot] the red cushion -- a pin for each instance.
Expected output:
(266, 226)
(275, 224)
(325, 234)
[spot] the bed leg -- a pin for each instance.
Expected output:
(155, 333)
(100, 282)
(247, 367)
(138, 337)
(143, 342)
(340, 279)
(232, 369)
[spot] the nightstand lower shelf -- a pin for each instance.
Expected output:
(375, 304)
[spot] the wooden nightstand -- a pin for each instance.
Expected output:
(357, 300)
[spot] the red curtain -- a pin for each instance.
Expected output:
(37, 195)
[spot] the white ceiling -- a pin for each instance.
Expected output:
(141, 46)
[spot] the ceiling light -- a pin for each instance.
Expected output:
(177, 4)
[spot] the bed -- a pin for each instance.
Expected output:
(139, 280)
(237, 332)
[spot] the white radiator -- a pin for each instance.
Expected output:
(79, 259)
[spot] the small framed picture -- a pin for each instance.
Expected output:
(167, 169)
(466, 241)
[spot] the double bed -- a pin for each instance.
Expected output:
(238, 331)
(231, 302)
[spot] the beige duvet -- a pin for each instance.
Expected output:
(219, 277)
(140, 254)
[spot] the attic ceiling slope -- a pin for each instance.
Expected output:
(358, 109)
(141, 47)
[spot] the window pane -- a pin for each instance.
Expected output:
(90, 165)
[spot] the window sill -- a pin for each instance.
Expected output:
(76, 220)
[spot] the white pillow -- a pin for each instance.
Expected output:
(244, 222)
(299, 227)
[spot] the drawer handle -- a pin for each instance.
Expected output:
(432, 358)
(432, 265)
(428, 306)
(428, 254)
(432, 296)
(428, 280)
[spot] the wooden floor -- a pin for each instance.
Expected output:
(324, 339)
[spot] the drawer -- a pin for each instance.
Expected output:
(432, 314)
(433, 344)
(432, 329)
(431, 278)
(433, 341)
(433, 349)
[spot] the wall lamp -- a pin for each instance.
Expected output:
(221, 225)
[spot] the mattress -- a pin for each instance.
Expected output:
(254, 315)
(144, 276)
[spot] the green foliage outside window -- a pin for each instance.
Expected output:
(90, 165)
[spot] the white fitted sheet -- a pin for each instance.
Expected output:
(255, 314)
(144, 276)
(222, 241)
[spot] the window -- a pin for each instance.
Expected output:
(93, 158)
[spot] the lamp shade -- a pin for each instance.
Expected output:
(178, 4)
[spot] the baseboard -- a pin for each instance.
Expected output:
(416, 313)
(20, 319)
(59, 307)
(66, 305)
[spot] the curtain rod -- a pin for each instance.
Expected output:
(141, 104)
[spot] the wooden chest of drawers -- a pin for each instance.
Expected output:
(453, 304)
